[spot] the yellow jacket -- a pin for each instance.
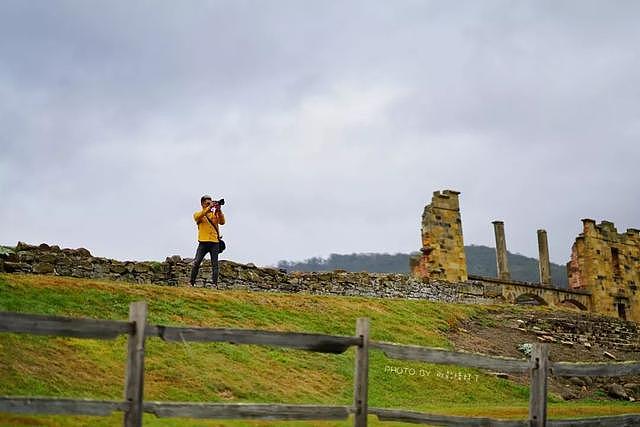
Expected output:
(206, 233)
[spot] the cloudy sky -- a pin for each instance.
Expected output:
(326, 125)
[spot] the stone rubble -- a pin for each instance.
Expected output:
(590, 331)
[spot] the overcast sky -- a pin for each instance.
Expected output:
(326, 125)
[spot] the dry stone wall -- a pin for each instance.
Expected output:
(175, 270)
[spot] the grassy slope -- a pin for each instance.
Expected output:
(48, 366)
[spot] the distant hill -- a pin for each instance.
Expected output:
(481, 261)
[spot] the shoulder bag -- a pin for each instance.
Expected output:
(221, 245)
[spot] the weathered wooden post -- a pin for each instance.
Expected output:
(134, 386)
(538, 393)
(361, 377)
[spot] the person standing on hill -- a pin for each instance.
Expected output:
(208, 220)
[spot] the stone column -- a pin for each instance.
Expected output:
(501, 251)
(543, 259)
(443, 256)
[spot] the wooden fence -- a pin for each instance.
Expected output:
(133, 406)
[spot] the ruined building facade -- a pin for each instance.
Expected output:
(607, 264)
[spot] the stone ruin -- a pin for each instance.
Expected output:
(604, 263)
(442, 254)
(607, 264)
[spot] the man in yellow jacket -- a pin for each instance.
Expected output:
(209, 220)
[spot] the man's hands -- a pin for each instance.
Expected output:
(214, 207)
(211, 206)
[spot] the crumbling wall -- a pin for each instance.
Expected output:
(175, 270)
(442, 256)
(607, 264)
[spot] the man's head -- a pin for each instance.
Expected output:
(205, 200)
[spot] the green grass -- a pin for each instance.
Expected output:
(220, 372)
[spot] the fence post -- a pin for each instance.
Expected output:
(134, 380)
(361, 377)
(538, 393)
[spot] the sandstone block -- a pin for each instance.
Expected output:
(141, 268)
(117, 268)
(633, 388)
(174, 259)
(577, 381)
(567, 394)
(26, 257)
(617, 392)
(48, 257)
(21, 246)
(17, 267)
(43, 268)
(83, 252)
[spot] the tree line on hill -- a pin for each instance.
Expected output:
(481, 261)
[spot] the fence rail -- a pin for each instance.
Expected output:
(565, 369)
(46, 405)
(301, 341)
(448, 420)
(137, 330)
(63, 326)
(447, 357)
(247, 411)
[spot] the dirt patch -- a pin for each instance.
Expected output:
(501, 330)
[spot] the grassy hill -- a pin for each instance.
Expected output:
(481, 261)
(220, 372)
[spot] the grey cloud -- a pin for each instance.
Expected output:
(326, 125)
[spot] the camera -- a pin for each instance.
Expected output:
(215, 203)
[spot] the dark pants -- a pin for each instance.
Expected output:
(204, 248)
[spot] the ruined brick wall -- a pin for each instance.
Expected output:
(442, 256)
(607, 264)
